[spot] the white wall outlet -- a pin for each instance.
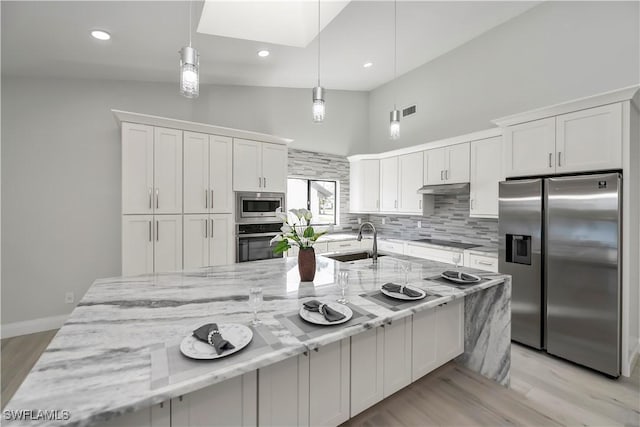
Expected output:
(419, 224)
(69, 298)
(359, 221)
(384, 221)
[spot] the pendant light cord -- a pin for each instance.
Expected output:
(395, 44)
(318, 42)
(190, 31)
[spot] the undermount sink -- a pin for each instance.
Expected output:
(354, 256)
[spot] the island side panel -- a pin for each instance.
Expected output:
(487, 333)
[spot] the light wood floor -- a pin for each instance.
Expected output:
(544, 391)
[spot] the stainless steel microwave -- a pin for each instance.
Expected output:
(258, 207)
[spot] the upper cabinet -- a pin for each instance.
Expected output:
(151, 170)
(409, 181)
(207, 173)
(486, 173)
(389, 184)
(586, 140)
(447, 165)
(259, 166)
(364, 184)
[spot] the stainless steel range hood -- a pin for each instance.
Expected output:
(445, 189)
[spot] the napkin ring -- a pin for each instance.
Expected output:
(210, 336)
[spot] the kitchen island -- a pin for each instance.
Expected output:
(116, 360)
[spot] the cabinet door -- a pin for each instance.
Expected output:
(529, 148)
(167, 170)
(486, 174)
(590, 139)
(196, 173)
(389, 184)
(450, 331)
(221, 240)
(168, 243)
(137, 244)
(196, 241)
(329, 384)
(274, 168)
(229, 403)
(367, 369)
(154, 416)
(365, 186)
(137, 169)
(457, 162)
(397, 356)
(247, 165)
(220, 174)
(423, 338)
(410, 177)
(483, 262)
(434, 166)
(284, 393)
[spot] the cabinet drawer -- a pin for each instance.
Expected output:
(483, 262)
(441, 255)
(343, 246)
(395, 247)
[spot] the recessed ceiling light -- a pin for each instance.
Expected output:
(100, 35)
(263, 53)
(367, 64)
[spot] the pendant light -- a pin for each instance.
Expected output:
(318, 91)
(394, 125)
(189, 68)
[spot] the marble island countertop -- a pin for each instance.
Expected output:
(100, 362)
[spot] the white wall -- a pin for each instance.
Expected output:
(61, 170)
(555, 52)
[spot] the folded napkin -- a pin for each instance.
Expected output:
(329, 313)
(210, 334)
(459, 275)
(392, 287)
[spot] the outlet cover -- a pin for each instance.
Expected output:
(359, 221)
(384, 221)
(69, 298)
(419, 224)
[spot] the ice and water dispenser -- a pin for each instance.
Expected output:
(518, 249)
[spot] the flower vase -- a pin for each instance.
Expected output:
(307, 264)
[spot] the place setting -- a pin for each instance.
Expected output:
(456, 278)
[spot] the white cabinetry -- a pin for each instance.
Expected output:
(441, 255)
(229, 403)
(397, 356)
(151, 170)
(208, 240)
(485, 176)
(393, 247)
(586, 140)
(283, 394)
(344, 246)
(438, 337)
(151, 243)
(447, 165)
(481, 262)
(259, 166)
(389, 184)
(410, 180)
(155, 416)
(207, 173)
(329, 373)
(367, 369)
(364, 184)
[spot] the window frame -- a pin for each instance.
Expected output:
(336, 184)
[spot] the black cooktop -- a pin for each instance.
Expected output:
(458, 245)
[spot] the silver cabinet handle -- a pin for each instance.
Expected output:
(157, 198)
(485, 263)
(264, 180)
(550, 160)
(395, 204)
(260, 182)
(206, 199)
(559, 158)
(150, 198)
(211, 232)
(157, 231)
(420, 204)
(446, 174)
(471, 203)
(205, 228)
(211, 200)
(441, 175)
(150, 232)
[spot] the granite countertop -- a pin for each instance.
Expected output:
(99, 364)
(484, 250)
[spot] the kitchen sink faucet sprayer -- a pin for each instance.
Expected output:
(374, 255)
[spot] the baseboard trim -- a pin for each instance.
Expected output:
(25, 327)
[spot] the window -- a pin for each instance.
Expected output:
(319, 196)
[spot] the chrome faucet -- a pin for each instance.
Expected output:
(374, 255)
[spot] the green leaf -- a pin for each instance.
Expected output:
(317, 235)
(308, 232)
(281, 247)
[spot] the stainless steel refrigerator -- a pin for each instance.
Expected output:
(560, 239)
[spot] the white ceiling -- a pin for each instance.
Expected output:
(52, 38)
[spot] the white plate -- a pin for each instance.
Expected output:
(462, 281)
(318, 318)
(238, 335)
(398, 295)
